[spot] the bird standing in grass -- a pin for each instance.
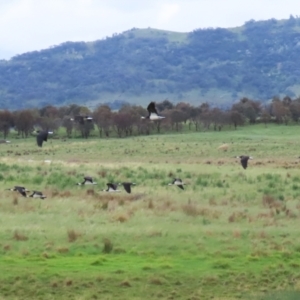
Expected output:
(153, 115)
(178, 182)
(111, 188)
(87, 180)
(127, 186)
(244, 160)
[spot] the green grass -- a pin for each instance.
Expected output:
(231, 234)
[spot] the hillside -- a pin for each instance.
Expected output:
(258, 60)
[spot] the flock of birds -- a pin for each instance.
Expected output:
(42, 136)
(23, 191)
(88, 180)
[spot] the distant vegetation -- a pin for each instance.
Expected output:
(127, 120)
(259, 60)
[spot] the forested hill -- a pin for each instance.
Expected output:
(258, 60)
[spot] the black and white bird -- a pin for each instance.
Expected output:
(87, 180)
(111, 188)
(42, 136)
(153, 115)
(244, 160)
(127, 186)
(81, 119)
(4, 142)
(37, 194)
(178, 182)
(21, 189)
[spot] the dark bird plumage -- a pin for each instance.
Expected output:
(87, 180)
(22, 190)
(152, 112)
(42, 136)
(127, 186)
(244, 160)
(37, 194)
(111, 187)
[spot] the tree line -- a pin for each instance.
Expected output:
(127, 120)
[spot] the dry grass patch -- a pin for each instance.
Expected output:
(223, 147)
(155, 281)
(18, 236)
(62, 249)
(65, 194)
(236, 234)
(90, 192)
(212, 202)
(151, 205)
(107, 245)
(68, 282)
(122, 218)
(125, 283)
(15, 200)
(190, 209)
(6, 247)
(73, 235)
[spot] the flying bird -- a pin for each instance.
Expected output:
(37, 194)
(127, 186)
(87, 180)
(153, 115)
(82, 119)
(22, 190)
(111, 187)
(42, 137)
(178, 182)
(244, 160)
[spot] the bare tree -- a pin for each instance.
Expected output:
(68, 125)
(250, 109)
(265, 117)
(177, 118)
(280, 111)
(295, 110)
(236, 118)
(6, 122)
(24, 121)
(195, 117)
(103, 118)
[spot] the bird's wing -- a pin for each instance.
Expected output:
(88, 178)
(39, 140)
(111, 185)
(244, 162)
(17, 187)
(151, 108)
(181, 186)
(41, 137)
(22, 192)
(127, 187)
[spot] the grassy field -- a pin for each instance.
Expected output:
(231, 234)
